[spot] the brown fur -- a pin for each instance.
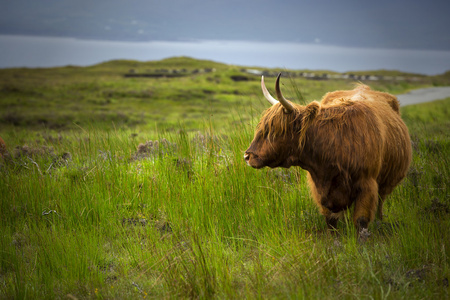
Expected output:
(353, 144)
(361, 92)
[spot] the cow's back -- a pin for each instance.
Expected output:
(361, 93)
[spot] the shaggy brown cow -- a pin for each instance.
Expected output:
(353, 144)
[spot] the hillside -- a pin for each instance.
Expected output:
(164, 93)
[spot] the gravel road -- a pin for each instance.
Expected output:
(424, 95)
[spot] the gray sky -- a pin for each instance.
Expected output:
(404, 24)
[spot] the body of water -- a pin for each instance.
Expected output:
(27, 51)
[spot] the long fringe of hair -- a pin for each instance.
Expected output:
(275, 122)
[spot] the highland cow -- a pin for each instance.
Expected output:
(353, 144)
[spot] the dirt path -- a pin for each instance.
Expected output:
(424, 95)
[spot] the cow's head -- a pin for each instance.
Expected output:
(280, 133)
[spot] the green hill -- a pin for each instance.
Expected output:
(156, 93)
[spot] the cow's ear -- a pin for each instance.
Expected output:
(309, 114)
(311, 111)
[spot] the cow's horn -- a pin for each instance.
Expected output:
(266, 93)
(286, 104)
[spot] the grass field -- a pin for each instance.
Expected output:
(125, 188)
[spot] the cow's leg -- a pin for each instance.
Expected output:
(336, 196)
(331, 222)
(365, 206)
(383, 191)
(330, 218)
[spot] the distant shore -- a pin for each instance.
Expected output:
(34, 51)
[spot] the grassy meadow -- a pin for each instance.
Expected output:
(120, 187)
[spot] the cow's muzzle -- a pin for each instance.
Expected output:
(246, 157)
(251, 159)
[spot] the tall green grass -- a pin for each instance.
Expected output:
(185, 217)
